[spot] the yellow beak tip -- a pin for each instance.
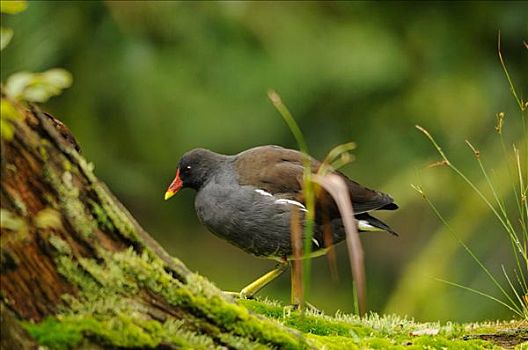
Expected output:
(168, 194)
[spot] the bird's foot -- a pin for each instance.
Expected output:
(239, 295)
(312, 308)
(287, 310)
(231, 294)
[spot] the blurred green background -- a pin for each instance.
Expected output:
(155, 79)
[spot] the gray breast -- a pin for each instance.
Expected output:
(252, 219)
(245, 218)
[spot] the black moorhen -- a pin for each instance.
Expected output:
(247, 199)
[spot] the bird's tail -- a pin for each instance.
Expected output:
(369, 223)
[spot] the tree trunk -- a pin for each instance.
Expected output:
(78, 271)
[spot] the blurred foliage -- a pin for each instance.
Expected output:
(37, 87)
(10, 7)
(8, 115)
(5, 37)
(154, 79)
(13, 6)
(26, 86)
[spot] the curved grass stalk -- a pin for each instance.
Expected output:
(309, 195)
(517, 312)
(523, 283)
(288, 118)
(510, 81)
(472, 185)
(337, 188)
(518, 198)
(466, 247)
(520, 249)
(511, 230)
(500, 204)
(519, 298)
(338, 157)
(523, 106)
(523, 192)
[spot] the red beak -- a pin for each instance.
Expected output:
(175, 186)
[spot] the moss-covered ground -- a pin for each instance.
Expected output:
(111, 310)
(343, 331)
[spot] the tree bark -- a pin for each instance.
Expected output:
(77, 270)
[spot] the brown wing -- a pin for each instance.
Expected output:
(274, 169)
(279, 171)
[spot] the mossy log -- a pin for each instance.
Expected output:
(78, 271)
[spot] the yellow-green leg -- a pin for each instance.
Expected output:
(251, 289)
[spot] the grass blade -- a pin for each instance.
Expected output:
(517, 312)
(337, 188)
(308, 191)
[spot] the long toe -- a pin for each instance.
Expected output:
(232, 294)
(239, 295)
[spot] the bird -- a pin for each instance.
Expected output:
(248, 199)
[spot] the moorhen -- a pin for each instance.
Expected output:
(247, 199)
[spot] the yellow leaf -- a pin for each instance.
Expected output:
(13, 6)
(7, 115)
(5, 37)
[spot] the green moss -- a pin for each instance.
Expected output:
(108, 307)
(15, 223)
(60, 245)
(334, 342)
(441, 342)
(323, 326)
(67, 165)
(235, 342)
(111, 278)
(308, 322)
(71, 270)
(175, 329)
(51, 200)
(204, 299)
(19, 203)
(101, 217)
(128, 331)
(265, 307)
(71, 205)
(121, 330)
(117, 216)
(375, 332)
(119, 220)
(379, 343)
(54, 334)
(42, 149)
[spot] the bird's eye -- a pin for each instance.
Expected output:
(188, 167)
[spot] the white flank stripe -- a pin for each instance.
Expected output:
(264, 193)
(315, 242)
(289, 201)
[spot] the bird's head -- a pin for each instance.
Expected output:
(194, 169)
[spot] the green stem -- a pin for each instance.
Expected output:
(309, 199)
